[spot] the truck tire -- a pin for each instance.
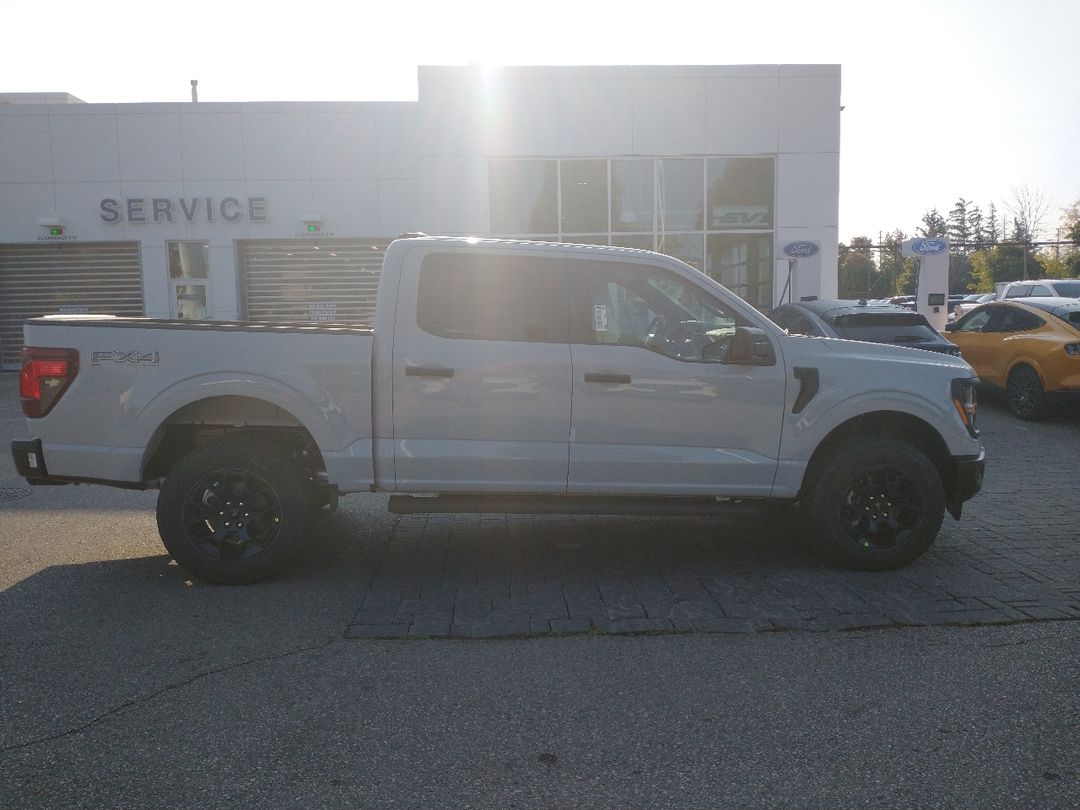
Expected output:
(235, 512)
(873, 504)
(1025, 395)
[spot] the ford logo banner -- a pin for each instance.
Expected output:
(800, 250)
(928, 247)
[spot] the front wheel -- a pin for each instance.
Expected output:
(235, 512)
(1025, 395)
(873, 504)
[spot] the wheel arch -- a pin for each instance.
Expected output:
(902, 427)
(202, 421)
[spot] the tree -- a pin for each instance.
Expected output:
(1001, 264)
(1028, 209)
(856, 268)
(993, 235)
(958, 229)
(933, 225)
(976, 228)
(1070, 222)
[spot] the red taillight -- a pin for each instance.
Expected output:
(45, 375)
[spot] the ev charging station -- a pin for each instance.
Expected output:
(932, 291)
(809, 255)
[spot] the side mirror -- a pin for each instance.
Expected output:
(950, 326)
(750, 346)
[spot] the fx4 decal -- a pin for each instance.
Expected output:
(129, 358)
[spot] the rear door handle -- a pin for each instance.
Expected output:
(608, 378)
(428, 371)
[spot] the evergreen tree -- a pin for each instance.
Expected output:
(958, 229)
(993, 235)
(933, 225)
(976, 228)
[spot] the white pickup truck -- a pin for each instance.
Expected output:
(503, 376)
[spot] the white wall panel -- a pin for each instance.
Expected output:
(596, 116)
(350, 207)
(741, 116)
(84, 147)
(455, 195)
(343, 146)
(669, 115)
(212, 144)
(398, 144)
(399, 207)
(808, 190)
(276, 145)
(80, 206)
(21, 205)
(809, 114)
(149, 146)
(25, 153)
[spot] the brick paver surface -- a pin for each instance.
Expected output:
(1015, 556)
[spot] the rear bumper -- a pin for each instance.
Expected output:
(29, 460)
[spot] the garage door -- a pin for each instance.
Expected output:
(84, 277)
(309, 280)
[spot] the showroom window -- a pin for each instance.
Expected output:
(523, 197)
(189, 265)
(716, 213)
(740, 193)
(584, 185)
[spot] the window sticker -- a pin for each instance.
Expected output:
(600, 317)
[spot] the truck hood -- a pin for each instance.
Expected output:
(886, 352)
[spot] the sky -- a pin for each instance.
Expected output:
(943, 99)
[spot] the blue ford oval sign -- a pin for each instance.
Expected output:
(800, 250)
(928, 247)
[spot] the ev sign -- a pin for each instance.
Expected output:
(933, 288)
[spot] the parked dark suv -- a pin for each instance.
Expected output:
(858, 320)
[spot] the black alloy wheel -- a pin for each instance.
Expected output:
(232, 514)
(236, 511)
(1025, 396)
(872, 504)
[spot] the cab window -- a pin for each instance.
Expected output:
(652, 308)
(474, 296)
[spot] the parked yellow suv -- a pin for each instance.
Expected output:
(1030, 349)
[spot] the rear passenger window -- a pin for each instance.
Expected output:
(471, 296)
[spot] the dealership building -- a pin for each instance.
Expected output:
(282, 211)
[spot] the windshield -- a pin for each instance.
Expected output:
(885, 327)
(1071, 317)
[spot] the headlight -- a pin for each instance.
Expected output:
(963, 398)
(1072, 349)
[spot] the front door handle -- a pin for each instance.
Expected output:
(428, 371)
(608, 378)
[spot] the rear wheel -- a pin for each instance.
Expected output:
(874, 504)
(1025, 395)
(236, 511)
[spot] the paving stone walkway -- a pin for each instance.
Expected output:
(1015, 556)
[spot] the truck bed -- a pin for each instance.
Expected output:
(140, 377)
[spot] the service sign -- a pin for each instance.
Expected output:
(929, 247)
(800, 250)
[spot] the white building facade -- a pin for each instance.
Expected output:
(281, 211)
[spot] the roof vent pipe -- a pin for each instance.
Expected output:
(194, 90)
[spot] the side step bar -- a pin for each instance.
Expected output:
(512, 503)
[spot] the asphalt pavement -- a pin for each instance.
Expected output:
(123, 683)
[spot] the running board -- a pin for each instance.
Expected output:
(509, 503)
